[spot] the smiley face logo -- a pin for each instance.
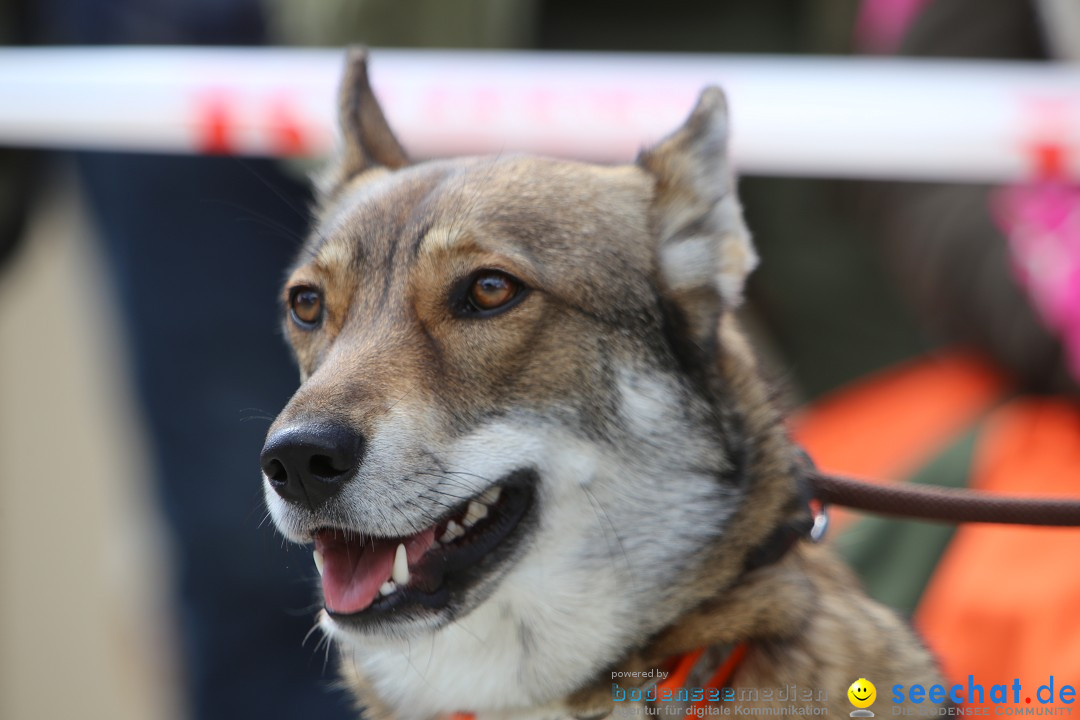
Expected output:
(862, 693)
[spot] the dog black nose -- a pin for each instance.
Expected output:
(308, 464)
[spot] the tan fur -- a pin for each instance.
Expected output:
(628, 267)
(806, 619)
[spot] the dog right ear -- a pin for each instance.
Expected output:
(368, 141)
(704, 250)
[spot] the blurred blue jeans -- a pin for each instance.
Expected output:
(197, 248)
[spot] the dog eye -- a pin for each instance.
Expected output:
(305, 306)
(491, 290)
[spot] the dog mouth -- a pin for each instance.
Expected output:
(366, 577)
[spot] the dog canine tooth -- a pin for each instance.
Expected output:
(317, 556)
(474, 514)
(400, 574)
(387, 587)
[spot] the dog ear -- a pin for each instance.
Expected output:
(368, 141)
(704, 249)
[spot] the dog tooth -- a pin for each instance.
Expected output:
(474, 514)
(453, 532)
(387, 587)
(491, 496)
(400, 575)
(318, 560)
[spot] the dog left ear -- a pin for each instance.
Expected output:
(368, 141)
(703, 246)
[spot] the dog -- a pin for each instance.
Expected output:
(533, 450)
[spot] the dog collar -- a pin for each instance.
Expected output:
(805, 522)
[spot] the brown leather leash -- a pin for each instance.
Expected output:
(950, 505)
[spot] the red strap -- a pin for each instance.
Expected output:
(721, 676)
(677, 677)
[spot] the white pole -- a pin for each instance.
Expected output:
(838, 117)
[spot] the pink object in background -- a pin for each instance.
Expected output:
(881, 24)
(1042, 224)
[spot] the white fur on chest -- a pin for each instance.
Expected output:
(592, 582)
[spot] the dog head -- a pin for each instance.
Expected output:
(514, 446)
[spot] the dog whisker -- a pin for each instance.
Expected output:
(603, 519)
(314, 628)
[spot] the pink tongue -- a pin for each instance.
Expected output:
(354, 570)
